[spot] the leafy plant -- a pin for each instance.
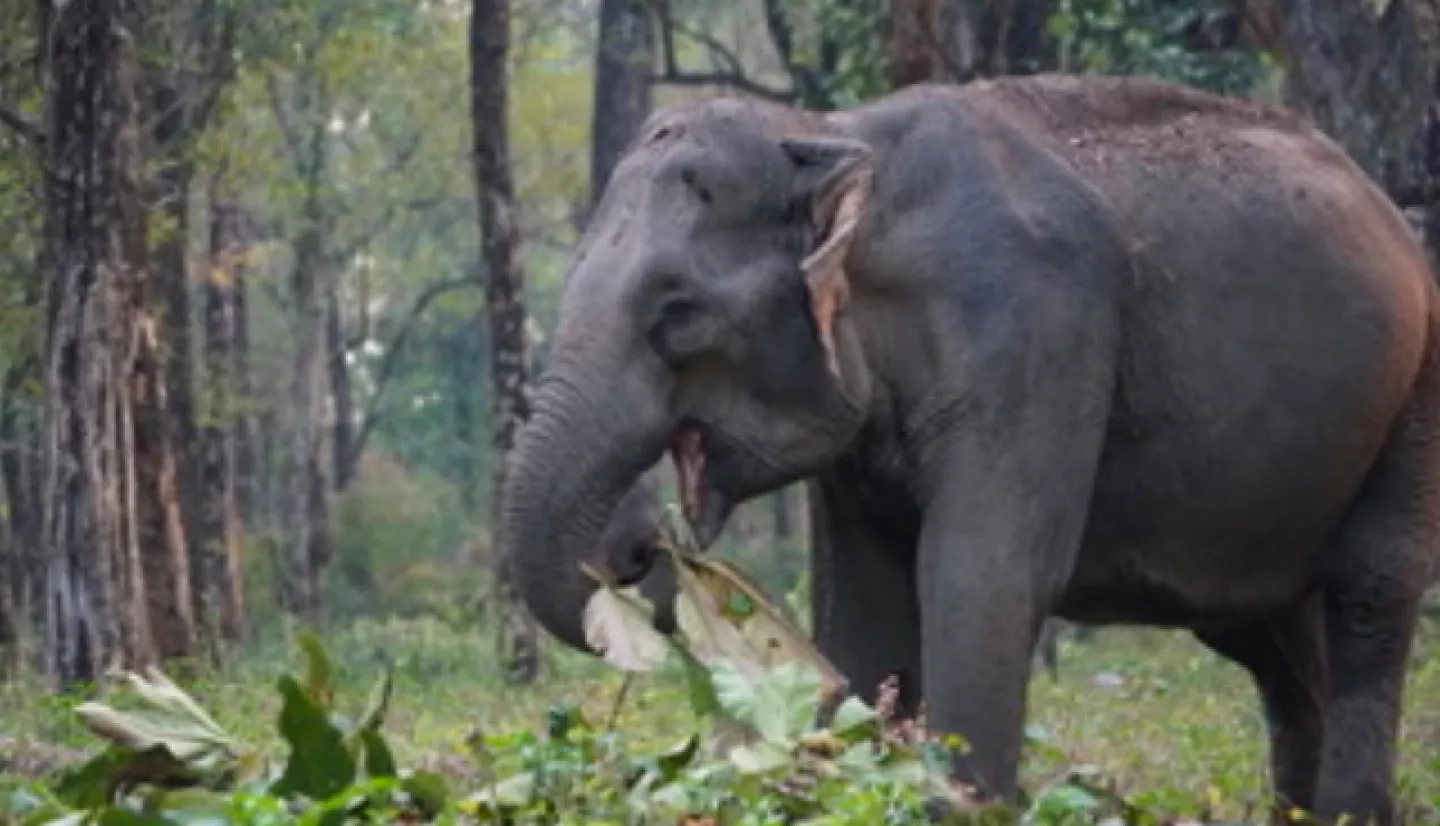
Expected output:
(778, 742)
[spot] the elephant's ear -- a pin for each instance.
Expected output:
(834, 175)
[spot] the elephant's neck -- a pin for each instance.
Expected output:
(899, 344)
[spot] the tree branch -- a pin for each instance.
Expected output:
(735, 77)
(782, 36)
(21, 125)
(391, 360)
(288, 132)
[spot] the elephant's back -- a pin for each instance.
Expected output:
(1276, 314)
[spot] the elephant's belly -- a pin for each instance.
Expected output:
(1187, 528)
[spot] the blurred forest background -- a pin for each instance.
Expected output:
(274, 273)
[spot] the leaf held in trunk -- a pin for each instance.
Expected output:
(618, 624)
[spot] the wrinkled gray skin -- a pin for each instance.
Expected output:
(1112, 350)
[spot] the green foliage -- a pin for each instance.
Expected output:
(848, 31)
(398, 534)
(1171, 731)
(757, 758)
(1146, 37)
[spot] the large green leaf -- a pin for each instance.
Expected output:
(778, 707)
(319, 672)
(511, 793)
(116, 816)
(319, 764)
(169, 739)
(89, 785)
(428, 790)
(854, 719)
(192, 745)
(379, 762)
(761, 757)
(699, 684)
(724, 616)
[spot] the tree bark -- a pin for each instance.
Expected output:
(624, 62)
(220, 526)
(305, 500)
(116, 579)
(913, 56)
(462, 355)
(244, 427)
(344, 450)
(159, 534)
(1372, 82)
(504, 300)
(955, 41)
(20, 474)
(303, 468)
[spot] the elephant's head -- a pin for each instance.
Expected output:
(701, 315)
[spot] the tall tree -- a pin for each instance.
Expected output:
(952, 40)
(218, 435)
(504, 283)
(189, 60)
(20, 398)
(117, 577)
(624, 62)
(302, 103)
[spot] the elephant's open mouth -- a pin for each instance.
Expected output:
(705, 506)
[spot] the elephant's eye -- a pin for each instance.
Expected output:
(679, 330)
(693, 181)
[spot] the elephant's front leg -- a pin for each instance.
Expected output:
(1006, 498)
(863, 597)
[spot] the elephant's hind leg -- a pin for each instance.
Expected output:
(1286, 658)
(1375, 580)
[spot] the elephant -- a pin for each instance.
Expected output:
(1108, 349)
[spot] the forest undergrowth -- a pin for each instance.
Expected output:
(1172, 730)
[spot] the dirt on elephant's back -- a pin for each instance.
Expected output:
(1099, 122)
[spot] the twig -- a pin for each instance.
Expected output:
(391, 359)
(673, 75)
(619, 701)
(782, 36)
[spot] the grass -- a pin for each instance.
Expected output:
(1169, 723)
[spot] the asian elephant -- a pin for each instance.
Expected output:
(1109, 349)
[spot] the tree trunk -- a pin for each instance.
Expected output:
(504, 300)
(20, 475)
(160, 531)
(9, 635)
(624, 60)
(1013, 38)
(913, 53)
(462, 354)
(170, 197)
(1368, 80)
(159, 528)
(219, 524)
(96, 613)
(305, 500)
(344, 450)
(302, 455)
(244, 428)
(1372, 82)
(950, 40)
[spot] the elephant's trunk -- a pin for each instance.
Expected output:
(592, 432)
